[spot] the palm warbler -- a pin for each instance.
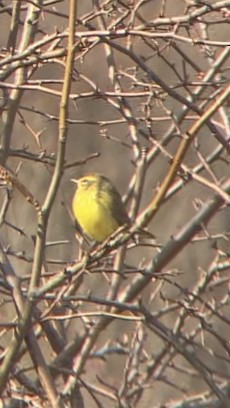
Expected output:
(98, 207)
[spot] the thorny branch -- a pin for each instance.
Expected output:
(141, 89)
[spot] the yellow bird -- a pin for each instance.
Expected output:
(98, 207)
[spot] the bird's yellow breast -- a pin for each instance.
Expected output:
(93, 214)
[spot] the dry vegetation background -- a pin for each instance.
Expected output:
(138, 90)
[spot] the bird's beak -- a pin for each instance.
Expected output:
(74, 181)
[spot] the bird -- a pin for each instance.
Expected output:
(97, 207)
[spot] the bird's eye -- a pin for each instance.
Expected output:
(84, 182)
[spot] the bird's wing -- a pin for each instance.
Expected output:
(118, 209)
